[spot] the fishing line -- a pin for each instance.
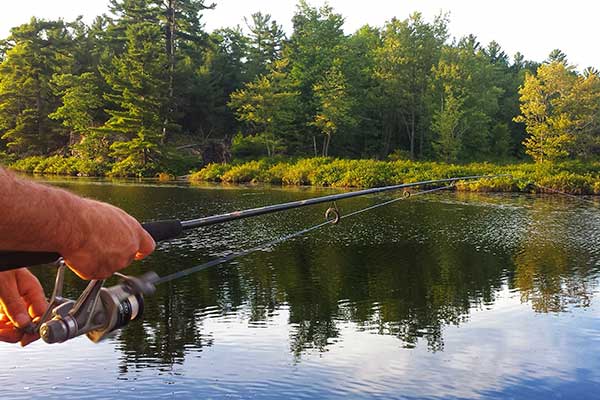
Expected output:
(573, 196)
(266, 245)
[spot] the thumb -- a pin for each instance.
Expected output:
(146, 246)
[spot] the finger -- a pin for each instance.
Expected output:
(146, 247)
(32, 292)
(13, 304)
(8, 333)
(28, 338)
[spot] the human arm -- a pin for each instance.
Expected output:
(95, 239)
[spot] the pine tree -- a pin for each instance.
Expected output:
(265, 43)
(35, 52)
(267, 105)
(139, 89)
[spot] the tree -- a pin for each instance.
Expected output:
(404, 63)
(36, 51)
(317, 40)
(335, 105)
(447, 124)
(139, 89)
(465, 75)
(184, 39)
(557, 55)
(268, 105)
(544, 106)
(82, 104)
(364, 138)
(264, 44)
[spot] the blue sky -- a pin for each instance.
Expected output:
(534, 27)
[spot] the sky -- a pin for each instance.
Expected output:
(533, 27)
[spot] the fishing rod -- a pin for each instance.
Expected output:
(99, 311)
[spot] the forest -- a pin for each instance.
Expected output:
(145, 89)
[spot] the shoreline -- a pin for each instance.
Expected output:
(571, 177)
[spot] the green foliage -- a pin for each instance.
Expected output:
(244, 173)
(544, 112)
(59, 165)
(265, 42)
(267, 106)
(35, 53)
(211, 173)
(120, 94)
(81, 100)
(139, 89)
(334, 104)
(243, 147)
(27, 164)
(571, 177)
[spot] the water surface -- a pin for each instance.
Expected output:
(453, 296)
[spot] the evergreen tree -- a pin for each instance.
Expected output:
(35, 52)
(264, 44)
(268, 106)
(139, 87)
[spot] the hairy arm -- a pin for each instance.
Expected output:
(35, 217)
(95, 239)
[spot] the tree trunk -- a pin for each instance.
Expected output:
(170, 48)
(326, 145)
(412, 135)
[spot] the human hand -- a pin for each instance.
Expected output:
(104, 239)
(22, 301)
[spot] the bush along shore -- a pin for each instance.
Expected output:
(571, 177)
(574, 177)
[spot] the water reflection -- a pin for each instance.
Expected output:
(412, 272)
(552, 270)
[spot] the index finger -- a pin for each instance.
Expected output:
(33, 294)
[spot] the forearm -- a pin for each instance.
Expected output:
(36, 217)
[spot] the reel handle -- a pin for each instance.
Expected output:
(159, 230)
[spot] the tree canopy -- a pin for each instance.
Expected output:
(145, 88)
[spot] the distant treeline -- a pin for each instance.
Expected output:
(145, 89)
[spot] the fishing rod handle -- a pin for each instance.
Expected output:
(159, 230)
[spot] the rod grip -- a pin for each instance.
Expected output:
(163, 230)
(18, 259)
(159, 230)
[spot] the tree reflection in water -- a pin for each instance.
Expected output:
(407, 271)
(550, 272)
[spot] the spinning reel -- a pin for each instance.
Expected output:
(97, 312)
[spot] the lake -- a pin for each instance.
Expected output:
(440, 296)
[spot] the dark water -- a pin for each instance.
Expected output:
(448, 296)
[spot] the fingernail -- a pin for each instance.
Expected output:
(22, 320)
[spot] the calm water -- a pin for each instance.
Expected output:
(449, 296)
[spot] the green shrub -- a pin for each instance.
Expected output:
(211, 173)
(303, 172)
(253, 171)
(91, 168)
(130, 167)
(27, 164)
